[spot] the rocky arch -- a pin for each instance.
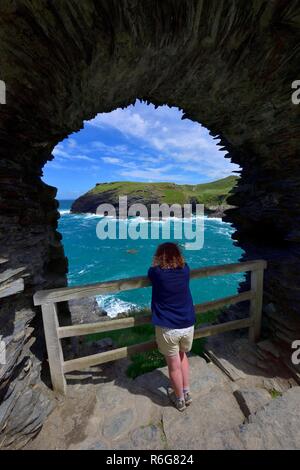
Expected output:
(228, 65)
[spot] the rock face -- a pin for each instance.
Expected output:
(85, 310)
(228, 65)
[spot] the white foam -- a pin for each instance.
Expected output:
(64, 212)
(86, 216)
(138, 219)
(92, 216)
(216, 219)
(113, 306)
(82, 271)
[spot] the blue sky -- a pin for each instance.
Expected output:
(139, 143)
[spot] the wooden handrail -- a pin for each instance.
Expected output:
(100, 288)
(48, 299)
(129, 322)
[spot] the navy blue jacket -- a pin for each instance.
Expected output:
(172, 303)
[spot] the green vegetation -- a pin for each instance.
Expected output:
(150, 360)
(210, 194)
(275, 393)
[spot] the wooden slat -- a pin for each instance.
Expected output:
(54, 349)
(232, 268)
(11, 273)
(211, 330)
(98, 327)
(12, 288)
(226, 365)
(107, 356)
(89, 290)
(69, 293)
(90, 328)
(215, 304)
(257, 280)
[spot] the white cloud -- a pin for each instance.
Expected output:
(180, 142)
(68, 155)
(99, 145)
(153, 144)
(126, 121)
(71, 142)
(112, 160)
(60, 166)
(151, 175)
(83, 157)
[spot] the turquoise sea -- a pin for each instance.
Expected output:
(94, 260)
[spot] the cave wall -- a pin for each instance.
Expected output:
(228, 64)
(31, 256)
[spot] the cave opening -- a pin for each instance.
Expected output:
(228, 67)
(150, 155)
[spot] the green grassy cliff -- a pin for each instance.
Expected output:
(213, 195)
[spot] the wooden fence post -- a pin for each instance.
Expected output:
(257, 281)
(54, 349)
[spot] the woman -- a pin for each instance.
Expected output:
(174, 318)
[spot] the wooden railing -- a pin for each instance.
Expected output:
(48, 300)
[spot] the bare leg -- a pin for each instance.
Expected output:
(175, 373)
(185, 370)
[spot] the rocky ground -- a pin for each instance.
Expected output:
(237, 405)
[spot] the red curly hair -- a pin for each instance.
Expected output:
(168, 256)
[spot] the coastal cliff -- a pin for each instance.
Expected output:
(213, 195)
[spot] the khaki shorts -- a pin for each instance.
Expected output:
(170, 345)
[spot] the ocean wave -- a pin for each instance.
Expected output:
(129, 220)
(142, 219)
(215, 219)
(81, 215)
(82, 271)
(93, 216)
(64, 211)
(113, 306)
